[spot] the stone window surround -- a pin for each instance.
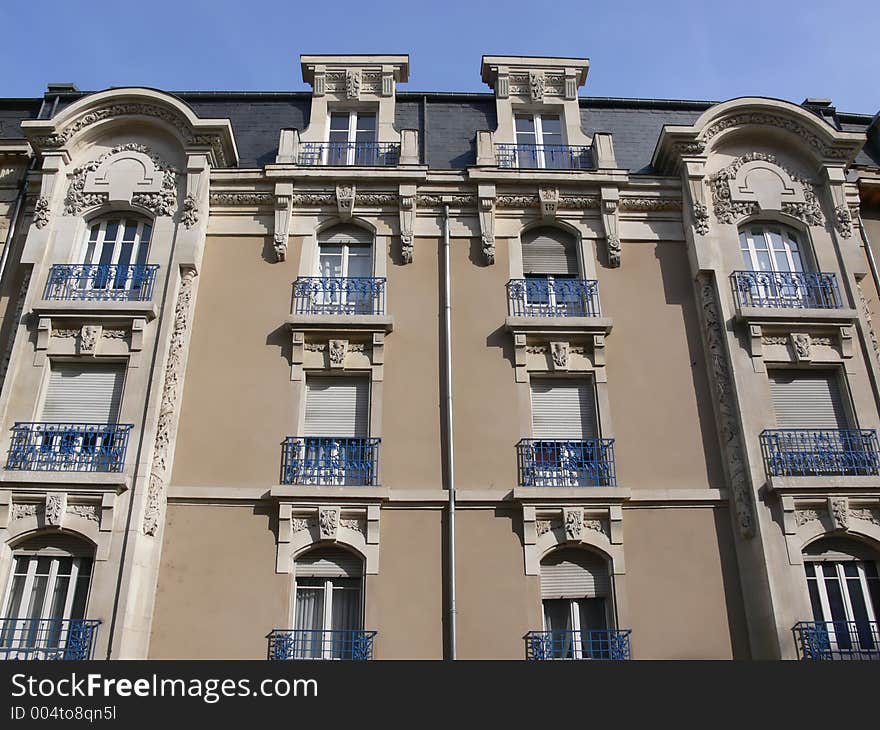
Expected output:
(310, 227)
(583, 236)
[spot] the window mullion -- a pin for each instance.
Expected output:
(327, 639)
(50, 588)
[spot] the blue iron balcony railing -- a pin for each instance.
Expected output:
(544, 156)
(328, 295)
(815, 452)
(566, 463)
(350, 154)
(838, 640)
(330, 461)
(47, 638)
(68, 446)
(786, 290)
(596, 644)
(350, 644)
(553, 298)
(101, 282)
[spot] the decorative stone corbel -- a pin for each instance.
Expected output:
(486, 194)
(337, 349)
(328, 522)
(56, 506)
(296, 355)
(843, 219)
(756, 347)
(44, 332)
(407, 195)
(599, 360)
(610, 221)
(846, 342)
(549, 200)
(573, 522)
(693, 174)
(559, 355)
(378, 357)
(520, 358)
(345, 195)
(802, 345)
(138, 326)
(283, 213)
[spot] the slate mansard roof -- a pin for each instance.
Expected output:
(447, 122)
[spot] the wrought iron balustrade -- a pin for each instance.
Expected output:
(350, 154)
(101, 282)
(68, 446)
(338, 295)
(838, 640)
(613, 644)
(47, 638)
(544, 156)
(818, 452)
(566, 463)
(553, 298)
(347, 644)
(328, 460)
(786, 290)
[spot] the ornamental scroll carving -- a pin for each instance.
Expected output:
(728, 418)
(731, 205)
(168, 413)
(161, 203)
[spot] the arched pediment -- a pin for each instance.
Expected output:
(86, 116)
(815, 137)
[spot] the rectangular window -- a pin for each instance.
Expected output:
(538, 141)
(352, 138)
(337, 407)
(807, 400)
(84, 393)
(563, 409)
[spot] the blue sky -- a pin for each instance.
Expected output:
(675, 50)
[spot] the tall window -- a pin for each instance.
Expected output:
(538, 140)
(550, 265)
(844, 587)
(116, 252)
(329, 605)
(771, 248)
(575, 595)
(345, 258)
(48, 586)
(351, 136)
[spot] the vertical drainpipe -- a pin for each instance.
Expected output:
(450, 443)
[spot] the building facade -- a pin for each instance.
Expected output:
(368, 373)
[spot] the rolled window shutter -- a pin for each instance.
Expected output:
(549, 251)
(563, 409)
(337, 407)
(574, 573)
(83, 393)
(807, 400)
(329, 563)
(346, 234)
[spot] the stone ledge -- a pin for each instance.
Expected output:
(95, 310)
(341, 322)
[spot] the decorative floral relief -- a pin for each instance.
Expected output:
(161, 203)
(866, 311)
(769, 120)
(701, 218)
(866, 514)
(114, 334)
(648, 204)
(803, 516)
(56, 506)
(86, 511)
(574, 521)
(356, 525)
(23, 511)
(242, 199)
(297, 524)
(41, 213)
(328, 522)
(171, 391)
(600, 526)
(843, 221)
(65, 333)
(189, 214)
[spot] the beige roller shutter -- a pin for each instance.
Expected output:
(563, 409)
(807, 400)
(329, 563)
(346, 234)
(83, 393)
(549, 251)
(337, 407)
(573, 573)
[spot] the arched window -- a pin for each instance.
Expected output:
(114, 256)
(345, 283)
(345, 251)
(46, 597)
(328, 608)
(576, 601)
(844, 586)
(550, 268)
(771, 247)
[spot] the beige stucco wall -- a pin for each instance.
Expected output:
(238, 400)
(682, 585)
(218, 595)
(661, 403)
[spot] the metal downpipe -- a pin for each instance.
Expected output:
(450, 448)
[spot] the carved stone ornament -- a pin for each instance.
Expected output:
(536, 85)
(613, 244)
(171, 391)
(298, 524)
(91, 512)
(356, 525)
(189, 214)
(843, 221)
(838, 508)
(230, 199)
(802, 345)
(56, 506)
(701, 218)
(161, 203)
(88, 338)
(279, 245)
(407, 222)
(803, 516)
(337, 350)
(866, 514)
(727, 415)
(542, 527)
(41, 213)
(328, 522)
(866, 313)
(559, 353)
(728, 209)
(549, 199)
(345, 196)
(574, 521)
(21, 511)
(352, 83)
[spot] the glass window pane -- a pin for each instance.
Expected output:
(524, 124)
(130, 231)
(93, 233)
(815, 601)
(339, 120)
(112, 231)
(146, 233)
(366, 122)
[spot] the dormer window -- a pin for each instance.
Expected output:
(352, 138)
(539, 140)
